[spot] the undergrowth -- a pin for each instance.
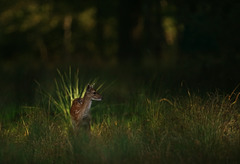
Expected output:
(184, 129)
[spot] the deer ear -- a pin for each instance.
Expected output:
(89, 87)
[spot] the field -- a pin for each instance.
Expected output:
(139, 123)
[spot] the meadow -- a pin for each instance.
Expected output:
(139, 124)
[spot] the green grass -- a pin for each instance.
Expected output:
(184, 129)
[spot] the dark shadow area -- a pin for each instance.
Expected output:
(158, 44)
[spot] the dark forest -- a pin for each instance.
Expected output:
(168, 71)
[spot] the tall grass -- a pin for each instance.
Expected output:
(68, 86)
(183, 129)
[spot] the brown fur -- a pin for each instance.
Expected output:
(80, 110)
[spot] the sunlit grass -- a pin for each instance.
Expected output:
(184, 129)
(68, 86)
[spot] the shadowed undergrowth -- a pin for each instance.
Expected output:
(182, 129)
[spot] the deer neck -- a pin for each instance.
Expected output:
(87, 102)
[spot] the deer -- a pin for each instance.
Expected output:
(80, 109)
